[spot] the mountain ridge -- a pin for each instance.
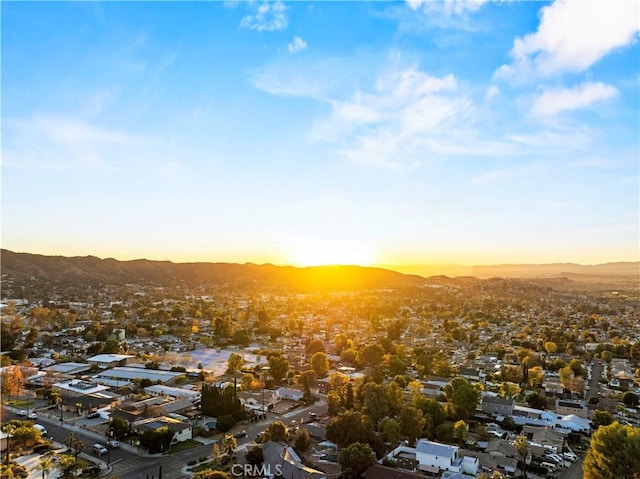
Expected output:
(65, 269)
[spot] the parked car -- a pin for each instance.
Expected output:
(22, 413)
(99, 449)
(570, 456)
(555, 458)
(32, 415)
(113, 443)
(93, 415)
(549, 466)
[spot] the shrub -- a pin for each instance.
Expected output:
(45, 446)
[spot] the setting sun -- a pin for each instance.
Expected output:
(317, 252)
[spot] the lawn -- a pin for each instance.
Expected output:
(182, 446)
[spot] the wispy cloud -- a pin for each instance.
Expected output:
(269, 16)
(397, 122)
(555, 101)
(449, 7)
(297, 45)
(57, 141)
(572, 36)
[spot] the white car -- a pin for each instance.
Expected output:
(22, 413)
(555, 458)
(570, 456)
(32, 415)
(99, 449)
(113, 443)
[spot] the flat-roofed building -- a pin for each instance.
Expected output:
(129, 374)
(173, 393)
(110, 360)
(78, 388)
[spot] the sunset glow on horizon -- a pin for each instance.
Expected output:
(445, 132)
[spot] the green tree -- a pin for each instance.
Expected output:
(337, 380)
(229, 444)
(119, 426)
(278, 367)
(522, 447)
(509, 389)
(391, 431)
(411, 423)
(460, 431)
(276, 432)
(630, 399)
(66, 465)
(614, 453)
(315, 346)
(537, 400)
(234, 363)
(308, 381)
(25, 435)
(395, 397)
(462, 397)
(320, 364)
(601, 418)
(44, 465)
(372, 355)
(302, 442)
(374, 401)
(157, 440)
(433, 413)
(254, 456)
(349, 427)
(356, 458)
(334, 403)
(75, 444)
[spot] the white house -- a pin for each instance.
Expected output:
(289, 393)
(443, 457)
(173, 393)
(181, 431)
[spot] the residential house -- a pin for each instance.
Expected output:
(434, 456)
(182, 431)
(497, 406)
(565, 407)
(280, 457)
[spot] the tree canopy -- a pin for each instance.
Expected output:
(614, 452)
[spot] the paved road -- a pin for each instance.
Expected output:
(573, 472)
(596, 374)
(128, 462)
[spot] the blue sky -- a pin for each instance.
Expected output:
(314, 132)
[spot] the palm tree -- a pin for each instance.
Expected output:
(522, 447)
(45, 466)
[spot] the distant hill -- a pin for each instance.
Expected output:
(627, 270)
(89, 270)
(620, 269)
(96, 272)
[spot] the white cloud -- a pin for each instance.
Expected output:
(270, 16)
(572, 36)
(298, 44)
(405, 115)
(552, 102)
(492, 92)
(449, 7)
